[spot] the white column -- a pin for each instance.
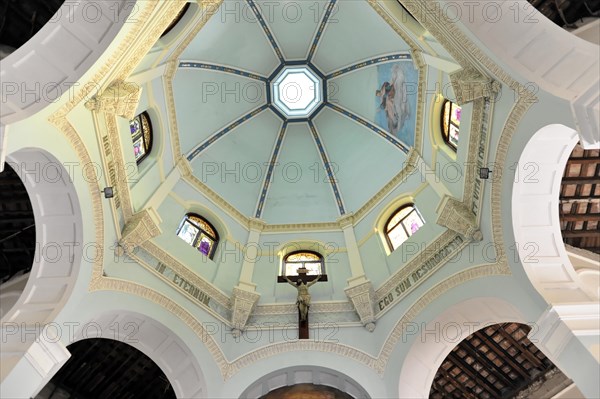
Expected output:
(244, 295)
(356, 266)
(30, 357)
(360, 290)
(569, 336)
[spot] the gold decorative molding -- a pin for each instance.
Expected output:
(183, 271)
(363, 299)
(346, 221)
(470, 84)
(243, 304)
(459, 218)
(120, 98)
(462, 49)
(142, 227)
(256, 224)
(184, 167)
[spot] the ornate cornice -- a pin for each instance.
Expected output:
(469, 84)
(447, 33)
(142, 227)
(183, 271)
(120, 99)
(363, 299)
(458, 217)
(243, 305)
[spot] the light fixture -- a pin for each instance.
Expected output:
(108, 192)
(484, 173)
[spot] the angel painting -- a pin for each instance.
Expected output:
(394, 100)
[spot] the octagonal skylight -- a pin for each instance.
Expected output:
(297, 92)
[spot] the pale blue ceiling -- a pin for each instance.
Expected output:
(226, 122)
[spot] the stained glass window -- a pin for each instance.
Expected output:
(312, 261)
(451, 123)
(199, 233)
(141, 135)
(405, 222)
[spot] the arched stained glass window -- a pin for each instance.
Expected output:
(312, 261)
(199, 233)
(451, 123)
(404, 223)
(141, 135)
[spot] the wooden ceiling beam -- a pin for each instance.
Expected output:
(581, 180)
(580, 233)
(521, 348)
(581, 217)
(474, 375)
(490, 343)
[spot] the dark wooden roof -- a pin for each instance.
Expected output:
(580, 200)
(104, 368)
(496, 362)
(565, 12)
(17, 226)
(20, 20)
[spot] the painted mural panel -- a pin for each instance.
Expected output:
(396, 98)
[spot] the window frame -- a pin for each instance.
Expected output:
(446, 133)
(147, 146)
(302, 251)
(387, 230)
(214, 237)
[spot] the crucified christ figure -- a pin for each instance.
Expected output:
(303, 300)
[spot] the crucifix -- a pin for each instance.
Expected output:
(303, 300)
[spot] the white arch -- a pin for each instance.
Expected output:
(165, 348)
(54, 59)
(59, 236)
(431, 345)
(304, 375)
(520, 36)
(536, 223)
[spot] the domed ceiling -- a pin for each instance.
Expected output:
(293, 112)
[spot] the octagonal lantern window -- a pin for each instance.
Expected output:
(297, 91)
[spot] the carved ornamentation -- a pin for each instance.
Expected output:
(470, 84)
(458, 217)
(243, 305)
(140, 228)
(256, 224)
(346, 220)
(184, 167)
(120, 98)
(363, 299)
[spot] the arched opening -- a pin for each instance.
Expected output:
(156, 341)
(496, 362)
(456, 323)
(536, 217)
(306, 391)
(580, 200)
(305, 382)
(58, 236)
(17, 238)
(101, 367)
(21, 20)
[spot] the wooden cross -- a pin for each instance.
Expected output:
(302, 324)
